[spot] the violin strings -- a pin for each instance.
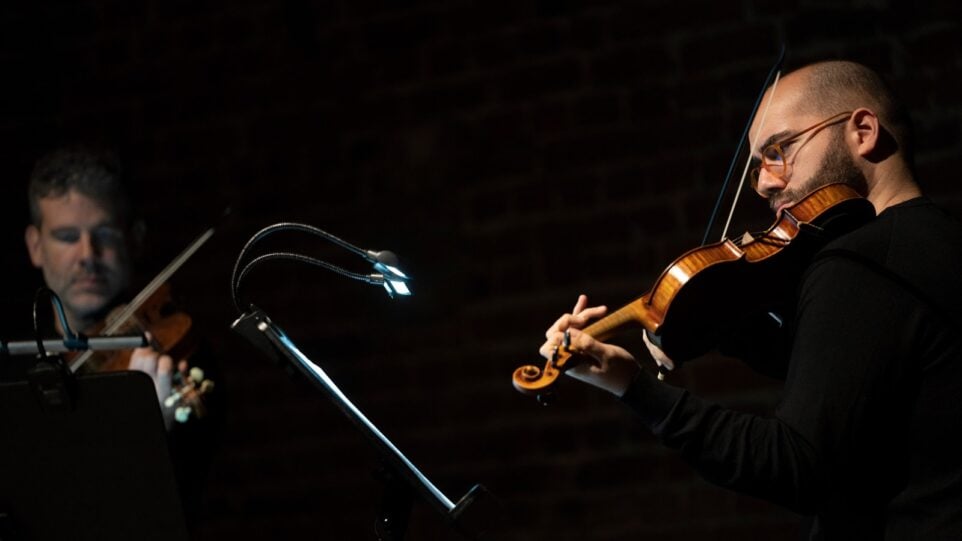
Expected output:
(761, 237)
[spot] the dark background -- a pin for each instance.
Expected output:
(514, 154)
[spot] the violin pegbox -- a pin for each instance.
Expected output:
(188, 390)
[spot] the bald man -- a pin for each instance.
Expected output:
(865, 440)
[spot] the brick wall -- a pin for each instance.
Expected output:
(514, 155)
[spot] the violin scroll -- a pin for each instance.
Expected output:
(187, 393)
(531, 380)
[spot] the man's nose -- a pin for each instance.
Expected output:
(769, 184)
(89, 249)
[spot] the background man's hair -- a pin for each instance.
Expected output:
(95, 173)
(840, 85)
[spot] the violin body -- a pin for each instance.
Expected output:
(169, 328)
(707, 291)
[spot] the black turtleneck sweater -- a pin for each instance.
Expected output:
(867, 438)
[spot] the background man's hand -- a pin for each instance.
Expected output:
(160, 368)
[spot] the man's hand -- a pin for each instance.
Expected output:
(160, 368)
(658, 355)
(611, 368)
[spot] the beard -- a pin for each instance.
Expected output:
(837, 167)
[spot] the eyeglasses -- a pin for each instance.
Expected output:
(774, 155)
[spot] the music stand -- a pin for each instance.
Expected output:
(474, 516)
(92, 466)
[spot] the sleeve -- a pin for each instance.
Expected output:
(761, 341)
(840, 399)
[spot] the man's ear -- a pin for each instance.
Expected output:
(867, 133)
(32, 238)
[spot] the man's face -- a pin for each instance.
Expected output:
(836, 165)
(82, 251)
(817, 158)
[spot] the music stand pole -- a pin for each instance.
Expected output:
(404, 479)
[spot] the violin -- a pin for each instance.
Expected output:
(703, 293)
(152, 312)
(169, 328)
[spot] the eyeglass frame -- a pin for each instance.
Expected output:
(756, 171)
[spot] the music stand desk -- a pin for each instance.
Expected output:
(99, 471)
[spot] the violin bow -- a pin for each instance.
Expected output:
(772, 79)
